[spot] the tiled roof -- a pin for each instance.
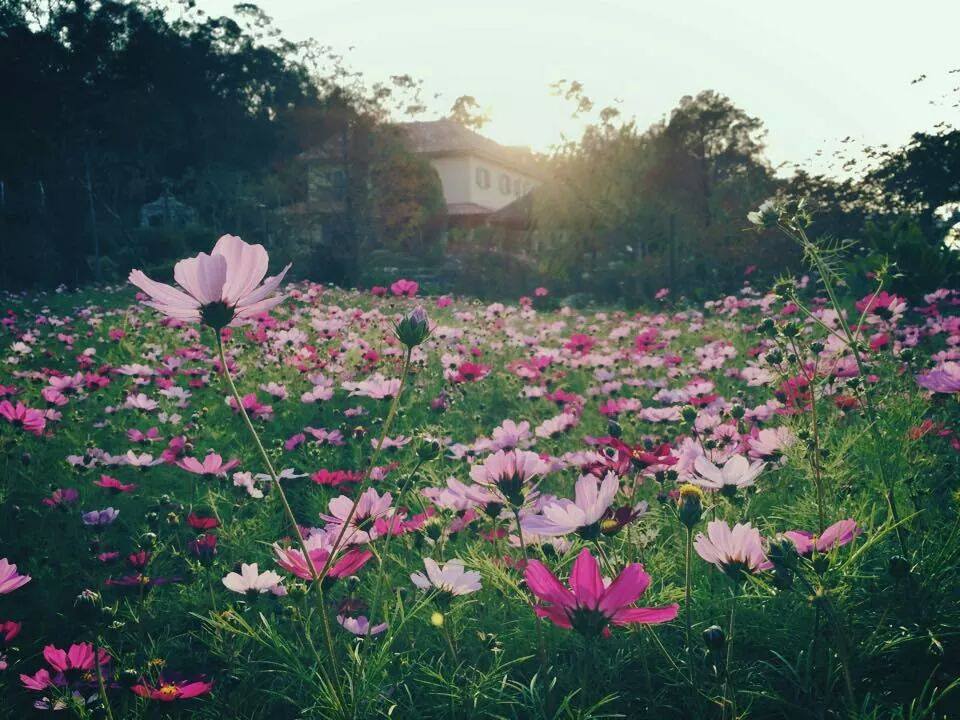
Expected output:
(447, 137)
(467, 209)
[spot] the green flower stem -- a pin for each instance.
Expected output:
(317, 577)
(686, 602)
(800, 236)
(370, 465)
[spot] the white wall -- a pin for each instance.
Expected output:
(459, 176)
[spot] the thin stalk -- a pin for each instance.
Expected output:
(727, 682)
(101, 685)
(686, 603)
(286, 506)
(370, 465)
(826, 275)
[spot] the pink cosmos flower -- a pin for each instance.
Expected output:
(510, 435)
(944, 378)
(221, 288)
(404, 288)
(19, 415)
(169, 690)
(99, 518)
(10, 580)
(363, 526)
(734, 550)
(250, 580)
(111, 483)
(79, 656)
(319, 544)
(583, 514)
(737, 473)
(590, 606)
(212, 465)
(360, 626)
(376, 386)
(770, 443)
(511, 473)
(451, 578)
(837, 535)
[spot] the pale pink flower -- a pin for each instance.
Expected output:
(250, 580)
(360, 626)
(734, 550)
(511, 473)
(737, 473)
(375, 386)
(10, 579)
(212, 465)
(583, 514)
(221, 288)
(451, 578)
(363, 526)
(944, 378)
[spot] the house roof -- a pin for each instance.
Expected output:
(467, 209)
(448, 137)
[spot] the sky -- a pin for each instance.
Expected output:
(816, 72)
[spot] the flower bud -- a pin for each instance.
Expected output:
(414, 329)
(899, 566)
(714, 638)
(689, 413)
(428, 449)
(691, 505)
(783, 553)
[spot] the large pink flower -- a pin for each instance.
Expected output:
(590, 605)
(221, 288)
(19, 415)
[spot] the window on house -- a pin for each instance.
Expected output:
(505, 184)
(483, 178)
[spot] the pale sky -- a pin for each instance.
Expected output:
(815, 71)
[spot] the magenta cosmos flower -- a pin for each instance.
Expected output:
(837, 535)
(734, 550)
(19, 415)
(590, 606)
(222, 288)
(10, 580)
(167, 690)
(320, 544)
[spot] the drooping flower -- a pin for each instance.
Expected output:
(737, 473)
(220, 289)
(10, 579)
(452, 578)
(168, 690)
(78, 657)
(249, 580)
(837, 535)
(735, 550)
(582, 515)
(114, 485)
(590, 606)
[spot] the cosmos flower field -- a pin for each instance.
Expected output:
(739, 508)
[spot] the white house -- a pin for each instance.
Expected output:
(479, 176)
